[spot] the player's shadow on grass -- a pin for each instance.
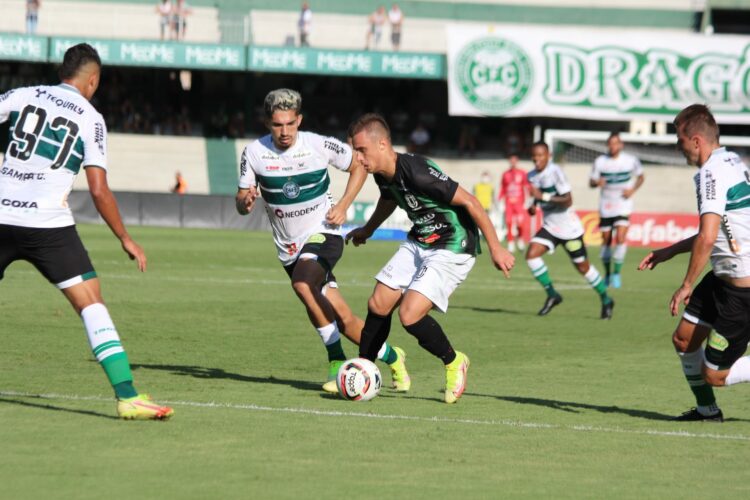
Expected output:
(218, 373)
(45, 406)
(572, 407)
(498, 310)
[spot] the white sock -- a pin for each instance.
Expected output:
(329, 334)
(619, 254)
(606, 253)
(593, 276)
(101, 331)
(537, 266)
(692, 362)
(739, 372)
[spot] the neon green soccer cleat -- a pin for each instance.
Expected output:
(333, 370)
(455, 377)
(141, 407)
(400, 380)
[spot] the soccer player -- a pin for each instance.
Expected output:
(513, 188)
(288, 168)
(54, 131)
(718, 309)
(619, 175)
(435, 258)
(561, 226)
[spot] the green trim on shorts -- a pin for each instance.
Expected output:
(88, 276)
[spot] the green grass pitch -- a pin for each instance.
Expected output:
(565, 406)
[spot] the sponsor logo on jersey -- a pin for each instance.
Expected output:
(40, 92)
(336, 147)
(269, 156)
(411, 201)
(494, 74)
(710, 186)
(59, 102)
(430, 239)
(437, 174)
(21, 176)
(243, 165)
(291, 189)
(301, 154)
(290, 214)
(5, 95)
(5, 202)
(287, 169)
(421, 272)
(431, 228)
(272, 168)
(425, 219)
(99, 136)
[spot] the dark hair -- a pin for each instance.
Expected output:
(75, 58)
(697, 119)
(369, 121)
(541, 144)
(613, 135)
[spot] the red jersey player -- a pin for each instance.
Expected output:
(514, 186)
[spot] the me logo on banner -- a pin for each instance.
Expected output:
(493, 74)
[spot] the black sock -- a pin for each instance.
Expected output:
(374, 334)
(431, 337)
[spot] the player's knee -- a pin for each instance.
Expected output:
(408, 316)
(680, 343)
(303, 289)
(375, 305)
(583, 267)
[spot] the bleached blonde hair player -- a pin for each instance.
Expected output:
(288, 168)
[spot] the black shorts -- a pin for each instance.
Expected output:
(57, 253)
(327, 249)
(726, 309)
(575, 247)
(607, 223)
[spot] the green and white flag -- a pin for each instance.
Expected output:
(602, 74)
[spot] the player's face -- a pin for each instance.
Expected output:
(513, 160)
(689, 147)
(540, 157)
(284, 125)
(614, 144)
(368, 151)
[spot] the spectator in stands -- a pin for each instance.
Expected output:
(484, 191)
(180, 186)
(179, 19)
(419, 140)
(32, 16)
(304, 25)
(396, 18)
(375, 31)
(164, 9)
(467, 138)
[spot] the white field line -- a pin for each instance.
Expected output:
(410, 418)
(499, 285)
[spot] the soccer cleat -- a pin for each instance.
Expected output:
(333, 370)
(607, 309)
(512, 246)
(551, 302)
(615, 281)
(400, 380)
(693, 415)
(455, 377)
(141, 407)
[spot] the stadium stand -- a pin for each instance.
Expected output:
(130, 20)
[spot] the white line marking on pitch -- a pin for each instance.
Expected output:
(412, 418)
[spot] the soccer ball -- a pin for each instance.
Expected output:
(358, 380)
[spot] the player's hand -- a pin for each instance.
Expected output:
(601, 182)
(358, 236)
(336, 215)
(246, 204)
(135, 252)
(503, 260)
(531, 209)
(536, 193)
(681, 296)
(653, 258)
(628, 193)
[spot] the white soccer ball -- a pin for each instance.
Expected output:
(358, 380)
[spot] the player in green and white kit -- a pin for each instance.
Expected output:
(619, 175)
(288, 168)
(54, 131)
(551, 192)
(718, 309)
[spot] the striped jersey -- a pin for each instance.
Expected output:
(620, 174)
(54, 131)
(723, 188)
(294, 184)
(560, 222)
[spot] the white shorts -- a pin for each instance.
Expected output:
(433, 273)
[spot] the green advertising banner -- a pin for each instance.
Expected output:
(158, 54)
(23, 47)
(595, 74)
(345, 62)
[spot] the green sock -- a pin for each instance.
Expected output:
(117, 368)
(598, 284)
(390, 355)
(335, 351)
(542, 276)
(704, 393)
(607, 267)
(618, 267)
